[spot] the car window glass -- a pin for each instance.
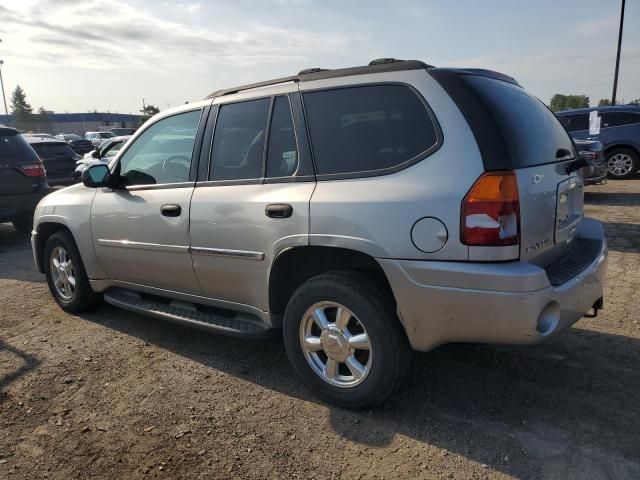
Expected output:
(163, 152)
(282, 152)
(574, 123)
(238, 142)
(112, 150)
(618, 119)
(367, 128)
(52, 150)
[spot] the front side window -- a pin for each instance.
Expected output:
(368, 128)
(238, 141)
(112, 150)
(282, 152)
(574, 123)
(162, 153)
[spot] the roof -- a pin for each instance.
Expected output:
(84, 117)
(42, 140)
(611, 108)
(376, 66)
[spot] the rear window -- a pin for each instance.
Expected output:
(531, 131)
(14, 147)
(49, 150)
(369, 128)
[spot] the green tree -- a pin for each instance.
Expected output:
(604, 102)
(21, 110)
(563, 102)
(148, 111)
(42, 121)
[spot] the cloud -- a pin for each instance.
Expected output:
(121, 36)
(598, 26)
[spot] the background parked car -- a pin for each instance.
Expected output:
(40, 135)
(619, 135)
(103, 154)
(58, 157)
(119, 132)
(22, 180)
(96, 138)
(593, 155)
(76, 142)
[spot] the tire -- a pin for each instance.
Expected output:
(387, 359)
(23, 224)
(80, 297)
(622, 163)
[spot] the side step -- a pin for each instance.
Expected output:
(234, 324)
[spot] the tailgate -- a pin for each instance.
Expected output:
(541, 154)
(14, 153)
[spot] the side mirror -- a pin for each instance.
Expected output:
(96, 176)
(95, 153)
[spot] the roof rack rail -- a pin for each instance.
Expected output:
(307, 71)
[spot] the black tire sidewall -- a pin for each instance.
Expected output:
(634, 159)
(83, 296)
(375, 311)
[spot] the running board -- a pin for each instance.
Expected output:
(234, 324)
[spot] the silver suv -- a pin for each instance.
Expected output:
(365, 211)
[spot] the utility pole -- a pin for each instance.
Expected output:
(615, 76)
(4, 99)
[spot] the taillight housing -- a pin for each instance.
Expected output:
(491, 211)
(33, 170)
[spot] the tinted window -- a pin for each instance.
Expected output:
(238, 142)
(53, 150)
(532, 132)
(163, 152)
(282, 153)
(575, 122)
(618, 119)
(360, 129)
(11, 145)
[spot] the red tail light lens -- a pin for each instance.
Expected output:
(34, 170)
(491, 211)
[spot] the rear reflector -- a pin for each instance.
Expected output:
(491, 211)
(34, 170)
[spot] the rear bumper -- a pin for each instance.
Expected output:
(23, 205)
(505, 303)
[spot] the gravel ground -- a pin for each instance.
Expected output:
(112, 394)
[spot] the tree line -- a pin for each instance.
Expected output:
(24, 118)
(565, 102)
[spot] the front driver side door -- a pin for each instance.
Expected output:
(141, 229)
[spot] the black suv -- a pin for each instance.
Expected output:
(58, 157)
(619, 135)
(22, 180)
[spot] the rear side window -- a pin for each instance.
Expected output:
(368, 128)
(238, 142)
(619, 119)
(282, 154)
(574, 123)
(533, 134)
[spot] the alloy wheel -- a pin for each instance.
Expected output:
(63, 273)
(620, 164)
(335, 344)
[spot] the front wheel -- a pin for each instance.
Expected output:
(344, 339)
(66, 277)
(622, 163)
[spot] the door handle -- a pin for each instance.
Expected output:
(171, 210)
(278, 210)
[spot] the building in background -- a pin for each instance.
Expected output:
(78, 123)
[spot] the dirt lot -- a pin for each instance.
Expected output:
(117, 395)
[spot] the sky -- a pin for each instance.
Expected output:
(109, 55)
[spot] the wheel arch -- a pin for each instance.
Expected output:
(44, 231)
(295, 265)
(629, 146)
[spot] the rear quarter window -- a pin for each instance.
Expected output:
(370, 128)
(532, 133)
(619, 119)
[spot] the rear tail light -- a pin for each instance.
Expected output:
(491, 211)
(33, 170)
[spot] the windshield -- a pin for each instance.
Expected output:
(106, 135)
(72, 138)
(48, 150)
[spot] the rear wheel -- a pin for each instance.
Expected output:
(23, 224)
(622, 163)
(66, 277)
(344, 339)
